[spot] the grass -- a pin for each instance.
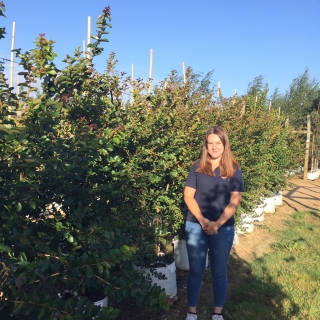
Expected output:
(284, 284)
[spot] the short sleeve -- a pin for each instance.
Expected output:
(191, 179)
(236, 182)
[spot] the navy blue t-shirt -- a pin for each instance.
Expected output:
(213, 193)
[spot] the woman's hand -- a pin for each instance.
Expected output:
(211, 228)
(204, 222)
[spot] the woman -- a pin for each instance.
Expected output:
(212, 194)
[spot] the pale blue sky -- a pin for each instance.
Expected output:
(240, 39)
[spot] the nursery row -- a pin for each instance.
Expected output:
(91, 189)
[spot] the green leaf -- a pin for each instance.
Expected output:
(41, 313)
(116, 140)
(19, 206)
(89, 272)
(84, 258)
(52, 72)
(70, 238)
(45, 264)
(17, 307)
(153, 302)
(32, 204)
(4, 248)
(100, 268)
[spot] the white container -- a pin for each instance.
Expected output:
(311, 176)
(278, 198)
(317, 172)
(181, 255)
(269, 205)
(290, 173)
(235, 240)
(102, 303)
(258, 213)
(170, 283)
(246, 224)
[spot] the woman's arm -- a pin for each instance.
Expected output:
(193, 206)
(228, 212)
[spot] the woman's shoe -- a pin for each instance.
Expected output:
(191, 316)
(217, 317)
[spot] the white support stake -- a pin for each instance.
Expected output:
(12, 54)
(132, 79)
(184, 73)
(150, 70)
(306, 158)
(89, 38)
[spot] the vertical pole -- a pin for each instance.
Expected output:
(12, 53)
(184, 73)
(132, 79)
(270, 105)
(89, 38)
(312, 154)
(150, 70)
(218, 89)
(306, 158)
(84, 49)
(235, 92)
(243, 108)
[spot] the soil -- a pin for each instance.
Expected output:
(301, 195)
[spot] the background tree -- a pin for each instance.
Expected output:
(300, 99)
(256, 86)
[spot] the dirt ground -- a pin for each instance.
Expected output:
(299, 196)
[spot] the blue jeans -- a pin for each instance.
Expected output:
(219, 247)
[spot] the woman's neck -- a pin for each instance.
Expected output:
(215, 163)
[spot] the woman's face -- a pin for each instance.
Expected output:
(215, 146)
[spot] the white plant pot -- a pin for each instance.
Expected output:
(278, 198)
(290, 173)
(181, 255)
(170, 283)
(258, 213)
(269, 205)
(311, 176)
(317, 172)
(102, 303)
(235, 240)
(246, 224)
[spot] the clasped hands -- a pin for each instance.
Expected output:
(209, 227)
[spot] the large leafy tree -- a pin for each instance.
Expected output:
(300, 99)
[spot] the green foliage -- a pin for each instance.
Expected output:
(67, 221)
(301, 99)
(91, 188)
(256, 86)
(261, 143)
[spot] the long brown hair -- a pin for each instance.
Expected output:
(227, 162)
